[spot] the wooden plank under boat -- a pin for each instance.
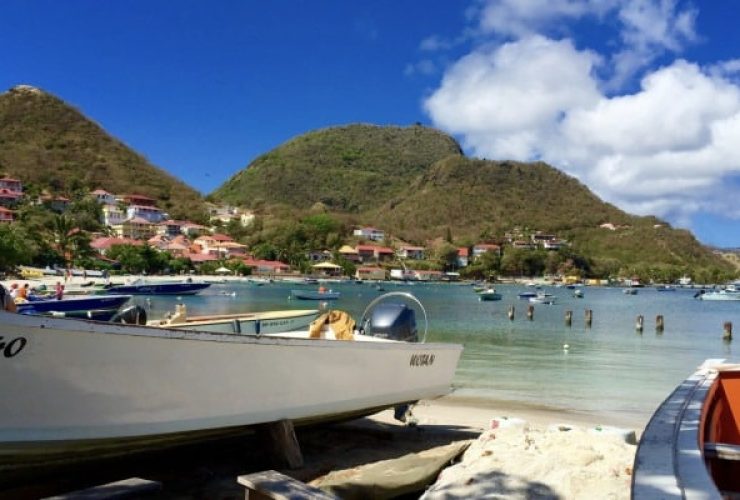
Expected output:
(691, 446)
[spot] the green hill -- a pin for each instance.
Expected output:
(415, 183)
(349, 169)
(46, 143)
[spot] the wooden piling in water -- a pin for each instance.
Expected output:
(727, 335)
(530, 312)
(639, 322)
(568, 318)
(511, 313)
(659, 324)
(589, 317)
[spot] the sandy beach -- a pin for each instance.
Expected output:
(517, 452)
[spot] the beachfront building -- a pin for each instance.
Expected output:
(221, 245)
(327, 269)
(370, 233)
(424, 275)
(267, 267)
(370, 273)
(410, 252)
(370, 253)
(6, 215)
(349, 253)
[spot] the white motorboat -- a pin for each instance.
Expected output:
(727, 294)
(75, 389)
(246, 323)
(542, 298)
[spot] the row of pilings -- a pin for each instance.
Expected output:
(588, 317)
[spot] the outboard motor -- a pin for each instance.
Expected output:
(392, 320)
(131, 315)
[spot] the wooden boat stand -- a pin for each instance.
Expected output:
(281, 443)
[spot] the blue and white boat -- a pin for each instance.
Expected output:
(314, 294)
(141, 287)
(99, 307)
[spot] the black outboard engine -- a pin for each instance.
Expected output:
(131, 315)
(392, 320)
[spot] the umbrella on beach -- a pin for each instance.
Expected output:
(223, 270)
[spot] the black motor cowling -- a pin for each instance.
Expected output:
(131, 315)
(392, 320)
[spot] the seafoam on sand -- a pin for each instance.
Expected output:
(521, 461)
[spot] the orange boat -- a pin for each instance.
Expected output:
(691, 446)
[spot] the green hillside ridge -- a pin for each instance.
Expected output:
(416, 184)
(48, 144)
(352, 169)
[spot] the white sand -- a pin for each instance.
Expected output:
(527, 455)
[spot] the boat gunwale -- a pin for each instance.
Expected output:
(170, 333)
(669, 457)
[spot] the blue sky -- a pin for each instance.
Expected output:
(638, 99)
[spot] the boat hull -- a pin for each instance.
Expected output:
(311, 295)
(74, 304)
(68, 383)
(159, 289)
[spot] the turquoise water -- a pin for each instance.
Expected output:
(609, 369)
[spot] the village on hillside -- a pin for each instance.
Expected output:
(135, 220)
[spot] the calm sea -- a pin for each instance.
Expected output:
(608, 369)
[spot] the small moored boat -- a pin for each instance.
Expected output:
(264, 322)
(314, 294)
(542, 298)
(489, 294)
(99, 307)
(723, 295)
(142, 287)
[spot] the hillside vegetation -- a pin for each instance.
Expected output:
(416, 184)
(48, 144)
(347, 169)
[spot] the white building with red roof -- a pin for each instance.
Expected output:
(370, 233)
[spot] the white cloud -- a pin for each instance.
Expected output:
(667, 146)
(659, 150)
(507, 98)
